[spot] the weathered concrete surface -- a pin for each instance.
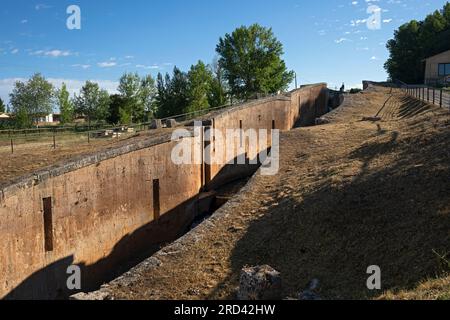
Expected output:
(103, 206)
(103, 214)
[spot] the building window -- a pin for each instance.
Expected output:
(444, 69)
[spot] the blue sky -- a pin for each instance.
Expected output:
(324, 40)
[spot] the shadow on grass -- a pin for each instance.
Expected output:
(393, 218)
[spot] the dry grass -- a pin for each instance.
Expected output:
(349, 194)
(32, 153)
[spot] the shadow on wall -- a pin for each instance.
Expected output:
(50, 282)
(233, 171)
(394, 218)
(309, 112)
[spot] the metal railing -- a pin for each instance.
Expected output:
(435, 96)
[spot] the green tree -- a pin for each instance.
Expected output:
(65, 104)
(116, 106)
(148, 95)
(31, 100)
(138, 95)
(252, 64)
(92, 102)
(415, 41)
(218, 90)
(404, 63)
(2, 106)
(173, 94)
(129, 89)
(199, 87)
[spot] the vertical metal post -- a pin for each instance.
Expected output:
(434, 96)
(440, 98)
(12, 142)
(89, 130)
(54, 138)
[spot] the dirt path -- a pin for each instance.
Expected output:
(350, 194)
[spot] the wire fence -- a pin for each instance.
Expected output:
(72, 136)
(12, 140)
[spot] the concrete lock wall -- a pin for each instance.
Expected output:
(102, 211)
(300, 107)
(101, 214)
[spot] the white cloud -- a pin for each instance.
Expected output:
(52, 53)
(83, 66)
(341, 40)
(355, 23)
(153, 67)
(42, 6)
(15, 51)
(107, 64)
(24, 21)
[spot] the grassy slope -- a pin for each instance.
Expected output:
(349, 194)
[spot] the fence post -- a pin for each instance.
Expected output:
(423, 94)
(54, 138)
(12, 142)
(440, 99)
(434, 96)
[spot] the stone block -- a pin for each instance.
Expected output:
(260, 283)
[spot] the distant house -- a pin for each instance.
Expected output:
(437, 69)
(50, 119)
(4, 117)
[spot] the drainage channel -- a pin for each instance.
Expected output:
(208, 202)
(217, 199)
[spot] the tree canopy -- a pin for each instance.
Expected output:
(31, 99)
(200, 79)
(92, 102)
(217, 95)
(252, 63)
(65, 104)
(2, 106)
(138, 96)
(415, 41)
(173, 96)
